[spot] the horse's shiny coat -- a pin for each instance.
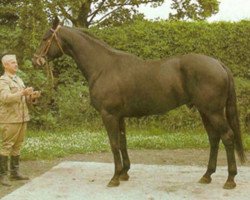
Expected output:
(123, 85)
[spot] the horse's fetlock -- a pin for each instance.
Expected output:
(233, 172)
(211, 171)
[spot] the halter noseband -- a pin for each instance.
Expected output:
(46, 47)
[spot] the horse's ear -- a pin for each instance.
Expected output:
(55, 22)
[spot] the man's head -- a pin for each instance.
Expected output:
(10, 63)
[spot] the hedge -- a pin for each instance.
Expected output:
(226, 41)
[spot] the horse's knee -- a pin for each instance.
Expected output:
(214, 141)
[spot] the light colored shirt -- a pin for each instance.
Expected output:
(13, 107)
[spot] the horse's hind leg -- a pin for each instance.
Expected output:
(214, 139)
(220, 124)
(228, 141)
(123, 146)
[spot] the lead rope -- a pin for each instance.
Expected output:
(50, 75)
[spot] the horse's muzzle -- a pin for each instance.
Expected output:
(38, 61)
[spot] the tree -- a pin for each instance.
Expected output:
(194, 10)
(84, 13)
(22, 23)
(8, 21)
(8, 14)
(32, 23)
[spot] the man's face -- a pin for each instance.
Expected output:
(11, 67)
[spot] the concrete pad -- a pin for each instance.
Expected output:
(88, 180)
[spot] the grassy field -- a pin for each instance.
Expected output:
(49, 145)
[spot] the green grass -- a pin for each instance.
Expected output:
(50, 145)
(159, 139)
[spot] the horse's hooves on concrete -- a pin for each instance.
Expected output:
(205, 180)
(113, 183)
(229, 185)
(124, 177)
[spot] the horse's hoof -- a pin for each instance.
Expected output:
(205, 180)
(229, 185)
(113, 183)
(124, 177)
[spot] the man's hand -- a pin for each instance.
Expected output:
(35, 94)
(27, 91)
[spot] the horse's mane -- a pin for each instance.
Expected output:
(86, 33)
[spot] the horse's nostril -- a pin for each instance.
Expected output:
(42, 61)
(38, 61)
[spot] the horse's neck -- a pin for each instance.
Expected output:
(90, 56)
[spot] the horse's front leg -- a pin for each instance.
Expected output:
(111, 123)
(125, 158)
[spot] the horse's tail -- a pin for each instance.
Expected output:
(233, 118)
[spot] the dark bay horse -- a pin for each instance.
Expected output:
(123, 85)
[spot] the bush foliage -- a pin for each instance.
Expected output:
(226, 41)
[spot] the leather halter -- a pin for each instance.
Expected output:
(43, 53)
(46, 47)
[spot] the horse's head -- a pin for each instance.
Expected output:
(50, 47)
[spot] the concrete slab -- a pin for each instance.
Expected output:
(87, 180)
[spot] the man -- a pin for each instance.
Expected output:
(13, 118)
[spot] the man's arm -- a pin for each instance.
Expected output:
(7, 97)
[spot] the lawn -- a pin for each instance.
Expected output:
(52, 144)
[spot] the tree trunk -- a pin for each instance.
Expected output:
(82, 18)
